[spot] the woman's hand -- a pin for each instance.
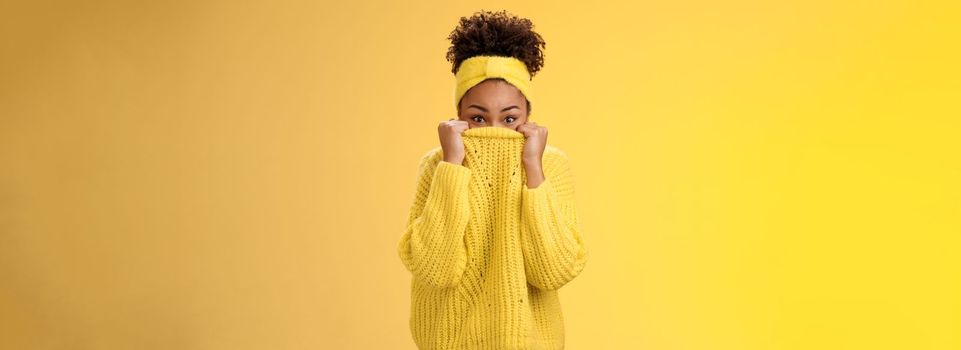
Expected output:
(533, 152)
(450, 140)
(536, 141)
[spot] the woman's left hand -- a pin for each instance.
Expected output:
(536, 141)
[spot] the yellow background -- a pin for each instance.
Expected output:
(236, 175)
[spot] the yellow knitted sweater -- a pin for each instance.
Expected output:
(487, 254)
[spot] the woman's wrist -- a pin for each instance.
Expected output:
(455, 160)
(531, 162)
(535, 173)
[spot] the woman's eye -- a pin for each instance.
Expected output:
(479, 121)
(512, 119)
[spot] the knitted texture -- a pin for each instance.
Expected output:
(487, 254)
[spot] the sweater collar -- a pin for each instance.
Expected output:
(494, 132)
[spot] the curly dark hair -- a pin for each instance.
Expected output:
(496, 34)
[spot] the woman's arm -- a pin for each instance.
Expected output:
(433, 247)
(554, 252)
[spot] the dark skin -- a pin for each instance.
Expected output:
(495, 103)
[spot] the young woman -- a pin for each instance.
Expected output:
(493, 232)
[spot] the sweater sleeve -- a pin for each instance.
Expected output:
(432, 247)
(554, 251)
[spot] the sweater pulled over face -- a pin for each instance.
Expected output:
(486, 253)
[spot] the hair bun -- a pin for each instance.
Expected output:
(498, 34)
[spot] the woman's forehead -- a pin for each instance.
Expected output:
(493, 95)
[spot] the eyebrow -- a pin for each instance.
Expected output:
(485, 109)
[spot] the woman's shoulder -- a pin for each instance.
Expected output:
(433, 153)
(555, 154)
(431, 157)
(553, 150)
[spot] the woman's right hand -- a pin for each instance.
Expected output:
(450, 141)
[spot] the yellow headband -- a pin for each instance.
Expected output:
(474, 70)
